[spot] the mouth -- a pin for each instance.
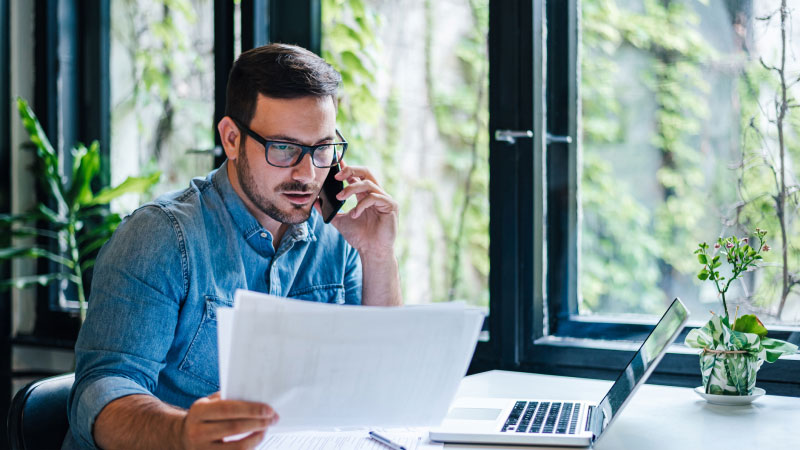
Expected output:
(299, 198)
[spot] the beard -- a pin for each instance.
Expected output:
(296, 214)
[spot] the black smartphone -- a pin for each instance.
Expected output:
(330, 205)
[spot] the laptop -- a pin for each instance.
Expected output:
(566, 423)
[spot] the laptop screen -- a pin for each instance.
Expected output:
(642, 364)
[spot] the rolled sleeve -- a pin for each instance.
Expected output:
(133, 311)
(90, 398)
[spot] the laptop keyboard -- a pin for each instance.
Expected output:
(543, 417)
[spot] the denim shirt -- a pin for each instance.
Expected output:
(151, 324)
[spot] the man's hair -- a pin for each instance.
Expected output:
(277, 71)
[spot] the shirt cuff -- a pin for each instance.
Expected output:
(93, 398)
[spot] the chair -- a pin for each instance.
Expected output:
(37, 418)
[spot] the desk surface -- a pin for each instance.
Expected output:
(658, 417)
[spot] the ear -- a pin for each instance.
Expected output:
(230, 137)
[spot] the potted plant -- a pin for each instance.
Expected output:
(72, 215)
(733, 349)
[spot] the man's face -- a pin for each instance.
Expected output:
(285, 194)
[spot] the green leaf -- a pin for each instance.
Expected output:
(51, 215)
(134, 185)
(93, 245)
(702, 258)
(703, 275)
(32, 231)
(34, 252)
(7, 219)
(48, 167)
(749, 323)
(86, 265)
(85, 168)
(43, 280)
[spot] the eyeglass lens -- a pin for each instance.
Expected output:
(286, 154)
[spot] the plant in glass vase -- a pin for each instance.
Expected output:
(733, 350)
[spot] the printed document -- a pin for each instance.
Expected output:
(348, 440)
(322, 366)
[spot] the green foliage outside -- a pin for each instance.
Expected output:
(72, 221)
(168, 96)
(636, 254)
(460, 215)
(631, 248)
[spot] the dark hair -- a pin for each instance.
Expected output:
(277, 71)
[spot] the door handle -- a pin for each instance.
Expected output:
(510, 136)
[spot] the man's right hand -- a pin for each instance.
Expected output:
(210, 419)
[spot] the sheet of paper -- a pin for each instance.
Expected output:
(321, 365)
(347, 440)
(224, 330)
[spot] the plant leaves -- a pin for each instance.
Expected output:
(134, 185)
(85, 168)
(749, 323)
(34, 252)
(48, 159)
(43, 280)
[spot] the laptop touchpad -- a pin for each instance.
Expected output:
(474, 413)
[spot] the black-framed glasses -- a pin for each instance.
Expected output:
(289, 154)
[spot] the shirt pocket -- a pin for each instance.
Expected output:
(201, 359)
(323, 293)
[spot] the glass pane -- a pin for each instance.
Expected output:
(682, 142)
(162, 91)
(415, 110)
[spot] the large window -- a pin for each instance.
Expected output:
(415, 108)
(664, 129)
(683, 141)
(162, 91)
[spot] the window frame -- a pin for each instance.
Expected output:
(566, 343)
(534, 325)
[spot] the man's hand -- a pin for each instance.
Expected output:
(210, 419)
(370, 227)
(143, 421)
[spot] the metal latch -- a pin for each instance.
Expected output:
(510, 136)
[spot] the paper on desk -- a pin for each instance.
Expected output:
(322, 365)
(347, 440)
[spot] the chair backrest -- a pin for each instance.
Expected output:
(37, 418)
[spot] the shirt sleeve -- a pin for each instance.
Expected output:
(138, 284)
(352, 277)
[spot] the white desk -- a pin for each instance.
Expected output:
(658, 417)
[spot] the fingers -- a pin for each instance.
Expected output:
(359, 187)
(231, 409)
(381, 202)
(215, 431)
(352, 172)
(249, 442)
(211, 419)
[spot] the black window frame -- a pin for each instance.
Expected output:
(534, 325)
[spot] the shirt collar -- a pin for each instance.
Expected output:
(247, 224)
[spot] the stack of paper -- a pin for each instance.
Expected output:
(322, 366)
(348, 440)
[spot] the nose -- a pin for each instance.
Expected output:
(304, 171)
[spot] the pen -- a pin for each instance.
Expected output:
(385, 441)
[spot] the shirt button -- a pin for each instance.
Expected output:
(264, 235)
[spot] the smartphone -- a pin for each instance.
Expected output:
(330, 205)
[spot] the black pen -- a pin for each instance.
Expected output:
(385, 441)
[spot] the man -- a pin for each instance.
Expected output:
(146, 372)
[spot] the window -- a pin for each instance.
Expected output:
(162, 91)
(414, 106)
(661, 134)
(680, 146)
